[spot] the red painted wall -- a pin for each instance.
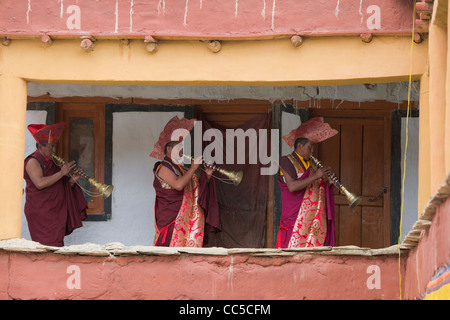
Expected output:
(319, 275)
(240, 276)
(432, 253)
(203, 18)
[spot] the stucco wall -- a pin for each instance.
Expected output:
(432, 251)
(117, 272)
(393, 92)
(200, 19)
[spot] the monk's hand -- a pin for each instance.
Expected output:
(77, 175)
(196, 163)
(323, 172)
(65, 169)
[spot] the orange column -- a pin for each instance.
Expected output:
(438, 75)
(13, 99)
(425, 160)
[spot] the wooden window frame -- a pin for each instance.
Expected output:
(98, 209)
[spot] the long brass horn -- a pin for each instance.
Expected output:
(353, 200)
(234, 176)
(104, 189)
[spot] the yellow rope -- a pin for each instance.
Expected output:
(406, 148)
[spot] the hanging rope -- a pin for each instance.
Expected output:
(406, 148)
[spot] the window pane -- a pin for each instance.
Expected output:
(81, 149)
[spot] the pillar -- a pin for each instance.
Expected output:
(13, 100)
(438, 75)
(424, 191)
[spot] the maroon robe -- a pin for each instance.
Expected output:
(291, 202)
(55, 211)
(168, 203)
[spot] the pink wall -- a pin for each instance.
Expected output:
(432, 253)
(189, 276)
(203, 18)
(339, 273)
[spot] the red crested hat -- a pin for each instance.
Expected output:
(166, 135)
(315, 130)
(45, 134)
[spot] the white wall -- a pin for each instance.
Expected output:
(289, 121)
(410, 206)
(133, 199)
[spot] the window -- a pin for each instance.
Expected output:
(83, 141)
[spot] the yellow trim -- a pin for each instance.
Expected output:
(305, 164)
(191, 63)
(442, 294)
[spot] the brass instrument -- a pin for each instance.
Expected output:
(104, 189)
(234, 176)
(353, 200)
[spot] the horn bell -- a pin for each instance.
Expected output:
(234, 176)
(104, 189)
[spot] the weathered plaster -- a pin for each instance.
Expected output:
(392, 92)
(202, 19)
(115, 271)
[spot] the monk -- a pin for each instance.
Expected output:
(55, 204)
(186, 208)
(307, 214)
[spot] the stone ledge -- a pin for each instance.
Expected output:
(119, 249)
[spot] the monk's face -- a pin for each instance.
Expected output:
(175, 152)
(305, 150)
(47, 150)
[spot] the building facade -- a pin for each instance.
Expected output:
(376, 70)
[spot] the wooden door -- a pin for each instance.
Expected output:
(360, 157)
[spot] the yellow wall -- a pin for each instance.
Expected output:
(318, 61)
(434, 141)
(325, 61)
(13, 99)
(425, 157)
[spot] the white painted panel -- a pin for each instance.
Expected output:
(410, 209)
(289, 121)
